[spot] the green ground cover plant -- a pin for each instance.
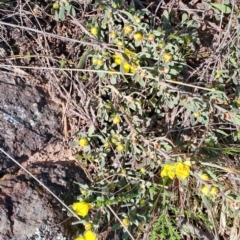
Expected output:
(144, 106)
(163, 142)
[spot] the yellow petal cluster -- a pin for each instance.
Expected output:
(207, 191)
(88, 226)
(126, 222)
(79, 238)
(130, 66)
(88, 235)
(168, 171)
(182, 170)
(179, 170)
(81, 208)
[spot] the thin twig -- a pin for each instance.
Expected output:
(105, 71)
(116, 216)
(98, 44)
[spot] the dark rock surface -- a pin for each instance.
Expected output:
(30, 132)
(27, 122)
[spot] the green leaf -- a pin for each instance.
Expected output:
(113, 80)
(116, 227)
(138, 43)
(67, 6)
(73, 143)
(91, 130)
(113, 89)
(157, 33)
(72, 11)
(62, 63)
(174, 72)
(141, 82)
(184, 17)
(83, 58)
(222, 132)
(99, 136)
(62, 13)
(125, 235)
(223, 8)
(206, 202)
(56, 16)
(130, 16)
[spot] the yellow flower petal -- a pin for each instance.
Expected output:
(214, 191)
(79, 238)
(129, 53)
(117, 61)
(205, 190)
(182, 170)
(188, 162)
(89, 235)
(126, 222)
(81, 208)
(88, 226)
(133, 69)
(126, 67)
(168, 170)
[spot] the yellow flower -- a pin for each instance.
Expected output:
(81, 208)
(128, 29)
(94, 61)
(129, 53)
(89, 235)
(204, 177)
(126, 222)
(119, 43)
(138, 36)
(117, 60)
(151, 37)
(167, 57)
(137, 20)
(126, 67)
(113, 35)
(217, 74)
(205, 190)
(79, 238)
(237, 102)
(120, 148)
(197, 114)
(106, 144)
(83, 142)
(133, 69)
(115, 138)
(88, 226)
(116, 120)
(182, 170)
(161, 44)
(214, 191)
(130, 66)
(94, 31)
(100, 62)
(168, 171)
(55, 6)
(83, 192)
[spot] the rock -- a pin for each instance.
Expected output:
(28, 121)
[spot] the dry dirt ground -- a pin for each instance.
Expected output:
(30, 132)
